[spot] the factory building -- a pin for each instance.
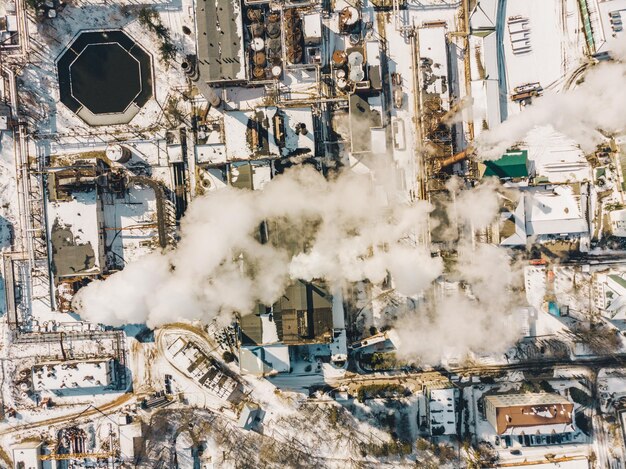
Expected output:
(74, 377)
(528, 416)
(26, 455)
(305, 315)
(189, 357)
(219, 32)
(441, 408)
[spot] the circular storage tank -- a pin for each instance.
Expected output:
(257, 29)
(257, 44)
(118, 154)
(276, 71)
(339, 58)
(258, 72)
(260, 59)
(354, 39)
(349, 15)
(254, 14)
(355, 58)
(273, 29)
(357, 73)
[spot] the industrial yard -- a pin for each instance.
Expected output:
(242, 233)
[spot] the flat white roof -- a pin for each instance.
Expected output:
(313, 26)
(80, 216)
(433, 46)
(128, 433)
(605, 35)
(269, 330)
(236, 134)
(556, 156)
(443, 410)
(484, 15)
(264, 359)
(65, 376)
(554, 210)
(542, 59)
(131, 222)
(27, 454)
(211, 153)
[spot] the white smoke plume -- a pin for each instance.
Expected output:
(476, 208)
(339, 230)
(593, 108)
(478, 315)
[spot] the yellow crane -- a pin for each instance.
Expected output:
(69, 456)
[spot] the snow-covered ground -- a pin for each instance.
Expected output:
(8, 195)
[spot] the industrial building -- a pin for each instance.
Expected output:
(548, 211)
(26, 455)
(441, 399)
(304, 315)
(527, 417)
(99, 216)
(219, 32)
(609, 296)
(74, 377)
(188, 356)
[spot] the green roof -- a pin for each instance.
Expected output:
(619, 280)
(510, 165)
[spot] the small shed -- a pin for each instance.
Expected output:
(248, 416)
(313, 28)
(26, 455)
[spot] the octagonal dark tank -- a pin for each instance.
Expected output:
(105, 77)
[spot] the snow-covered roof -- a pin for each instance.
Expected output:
(526, 399)
(611, 294)
(270, 334)
(554, 210)
(433, 46)
(266, 359)
(534, 54)
(26, 455)
(211, 153)
(339, 346)
(312, 27)
(73, 377)
(74, 234)
(484, 15)
(130, 223)
(442, 410)
(128, 435)
(372, 53)
(606, 35)
(618, 222)
(556, 157)
(295, 136)
(541, 429)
